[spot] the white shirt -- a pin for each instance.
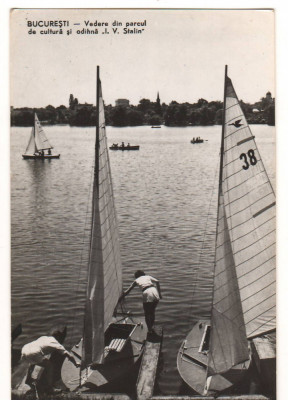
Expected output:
(38, 350)
(149, 292)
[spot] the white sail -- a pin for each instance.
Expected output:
(228, 343)
(42, 143)
(105, 273)
(31, 144)
(244, 288)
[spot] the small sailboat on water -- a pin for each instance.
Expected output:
(111, 344)
(216, 354)
(38, 143)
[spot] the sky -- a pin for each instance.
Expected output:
(180, 53)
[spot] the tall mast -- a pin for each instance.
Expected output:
(34, 131)
(222, 134)
(97, 131)
(221, 165)
(220, 173)
(219, 194)
(95, 196)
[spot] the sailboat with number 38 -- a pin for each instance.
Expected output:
(216, 353)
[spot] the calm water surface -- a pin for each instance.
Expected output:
(166, 196)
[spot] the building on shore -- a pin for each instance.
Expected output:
(76, 106)
(122, 102)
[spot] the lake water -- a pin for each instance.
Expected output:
(166, 196)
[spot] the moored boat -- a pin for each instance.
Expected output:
(38, 144)
(112, 342)
(216, 353)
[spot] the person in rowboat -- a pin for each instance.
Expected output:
(151, 295)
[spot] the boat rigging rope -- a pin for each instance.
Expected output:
(120, 288)
(141, 202)
(148, 188)
(84, 244)
(113, 216)
(203, 241)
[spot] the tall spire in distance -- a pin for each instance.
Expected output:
(158, 98)
(158, 105)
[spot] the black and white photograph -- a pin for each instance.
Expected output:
(143, 204)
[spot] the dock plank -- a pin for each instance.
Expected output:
(96, 396)
(148, 368)
(264, 354)
(227, 397)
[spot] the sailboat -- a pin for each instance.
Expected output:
(38, 143)
(111, 344)
(216, 353)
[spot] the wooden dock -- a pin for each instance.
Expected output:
(95, 396)
(242, 397)
(147, 375)
(149, 364)
(264, 354)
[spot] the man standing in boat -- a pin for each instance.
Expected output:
(151, 295)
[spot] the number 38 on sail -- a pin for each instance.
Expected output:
(216, 353)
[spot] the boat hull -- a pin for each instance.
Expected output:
(124, 148)
(36, 157)
(198, 141)
(192, 365)
(116, 365)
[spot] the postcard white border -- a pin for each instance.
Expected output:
(282, 142)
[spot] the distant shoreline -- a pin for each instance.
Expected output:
(146, 113)
(136, 126)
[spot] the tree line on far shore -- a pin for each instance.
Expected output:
(202, 113)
